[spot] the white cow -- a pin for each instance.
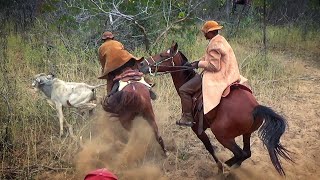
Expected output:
(67, 94)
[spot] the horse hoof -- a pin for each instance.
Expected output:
(186, 124)
(166, 154)
(225, 169)
(236, 165)
(220, 168)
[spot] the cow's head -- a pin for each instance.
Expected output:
(41, 79)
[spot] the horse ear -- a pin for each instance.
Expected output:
(140, 59)
(174, 48)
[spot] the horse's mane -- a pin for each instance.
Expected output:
(188, 73)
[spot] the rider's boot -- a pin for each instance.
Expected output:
(186, 120)
(186, 91)
(153, 95)
(114, 88)
(186, 103)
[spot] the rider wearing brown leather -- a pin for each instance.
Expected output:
(220, 69)
(113, 59)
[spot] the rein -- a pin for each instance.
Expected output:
(158, 64)
(183, 68)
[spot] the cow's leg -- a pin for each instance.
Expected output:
(70, 129)
(51, 103)
(60, 116)
(85, 107)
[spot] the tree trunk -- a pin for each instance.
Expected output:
(228, 10)
(264, 29)
(305, 24)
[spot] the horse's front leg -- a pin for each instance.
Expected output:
(206, 141)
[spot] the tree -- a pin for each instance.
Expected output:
(149, 20)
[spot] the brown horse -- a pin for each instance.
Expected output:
(237, 114)
(132, 101)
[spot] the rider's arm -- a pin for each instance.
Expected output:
(212, 60)
(210, 63)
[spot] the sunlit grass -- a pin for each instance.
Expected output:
(34, 125)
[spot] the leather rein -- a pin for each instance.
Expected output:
(158, 64)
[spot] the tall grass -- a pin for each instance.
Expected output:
(29, 144)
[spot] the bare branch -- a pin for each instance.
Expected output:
(168, 11)
(191, 8)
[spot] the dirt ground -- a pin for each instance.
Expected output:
(300, 104)
(136, 155)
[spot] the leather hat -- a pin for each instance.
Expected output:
(210, 26)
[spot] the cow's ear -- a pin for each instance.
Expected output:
(51, 75)
(40, 81)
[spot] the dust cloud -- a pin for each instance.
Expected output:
(129, 155)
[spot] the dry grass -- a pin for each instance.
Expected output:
(30, 147)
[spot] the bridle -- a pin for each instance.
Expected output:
(158, 64)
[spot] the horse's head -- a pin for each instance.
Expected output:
(166, 61)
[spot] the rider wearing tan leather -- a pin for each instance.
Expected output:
(112, 55)
(220, 69)
(113, 59)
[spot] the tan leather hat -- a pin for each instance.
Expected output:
(107, 35)
(113, 55)
(210, 26)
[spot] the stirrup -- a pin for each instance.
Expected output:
(153, 95)
(188, 124)
(152, 84)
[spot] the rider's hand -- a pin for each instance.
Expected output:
(193, 64)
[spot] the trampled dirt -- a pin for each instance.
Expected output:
(136, 155)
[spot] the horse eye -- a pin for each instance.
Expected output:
(163, 55)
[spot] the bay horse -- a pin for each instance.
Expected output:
(237, 114)
(132, 101)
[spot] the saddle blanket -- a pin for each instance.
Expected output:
(123, 84)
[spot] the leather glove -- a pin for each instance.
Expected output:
(193, 64)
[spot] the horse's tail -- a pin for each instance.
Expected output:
(270, 132)
(122, 102)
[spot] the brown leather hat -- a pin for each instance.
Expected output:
(210, 26)
(113, 55)
(107, 35)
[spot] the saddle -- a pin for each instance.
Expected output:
(197, 102)
(127, 77)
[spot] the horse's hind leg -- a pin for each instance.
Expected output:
(126, 120)
(246, 148)
(206, 141)
(149, 116)
(238, 153)
(246, 141)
